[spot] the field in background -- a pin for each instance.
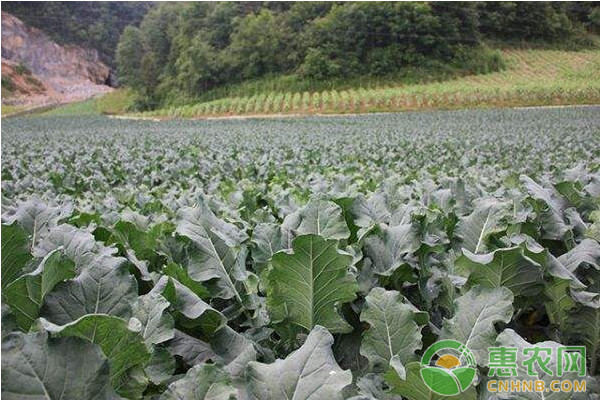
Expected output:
(531, 78)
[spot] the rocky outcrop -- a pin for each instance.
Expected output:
(67, 73)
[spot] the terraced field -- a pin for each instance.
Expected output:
(532, 78)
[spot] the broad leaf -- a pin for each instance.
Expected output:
(202, 382)
(476, 312)
(40, 368)
(104, 286)
(393, 336)
(15, 252)
(120, 341)
(191, 350)
(157, 323)
(216, 253)
(307, 286)
(475, 228)
(323, 218)
(584, 328)
(510, 268)
(389, 247)
(588, 252)
(307, 373)
(26, 294)
(193, 311)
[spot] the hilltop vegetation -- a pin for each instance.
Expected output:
(186, 53)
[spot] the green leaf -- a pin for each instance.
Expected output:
(37, 367)
(104, 286)
(307, 373)
(161, 366)
(393, 336)
(588, 252)
(202, 382)
(389, 247)
(485, 220)
(191, 350)
(15, 252)
(323, 218)
(193, 311)
(267, 239)
(37, 217)
(560, 303)
(510, 268)
(26, 294)
(152, 312)
(216, 254)
(120, 341)
(476, 313)
(584, 327)
(307, 286)
(413, 387)
(551, 208)
(177, 272)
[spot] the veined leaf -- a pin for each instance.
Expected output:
(393, 336)
(584, 327)
(26, 294)
(15, 252)
(588, 251)
(216, 251)
(120, 341)
(202, 382)
(268, 239)
(560, 302)
(193, 310)
(476, 312)
(306, 287)
(103, 287)
(157, 323)
(475, 228)
(191, 350)
(510, 268)
(388, 248)
(323, 218)
(37, 367)
(307, 373)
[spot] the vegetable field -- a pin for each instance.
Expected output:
(296, 258)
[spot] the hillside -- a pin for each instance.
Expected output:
(184, 54)
(94, 25)
(530, 78)
(36, 71)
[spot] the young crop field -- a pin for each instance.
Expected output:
(531, 78)
(299, 258)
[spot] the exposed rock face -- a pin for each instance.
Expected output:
(68, 73)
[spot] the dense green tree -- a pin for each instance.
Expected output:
(130, 53)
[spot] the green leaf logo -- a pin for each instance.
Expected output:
(448, 367)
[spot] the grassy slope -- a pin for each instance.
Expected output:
(532, 78)
(115, 102)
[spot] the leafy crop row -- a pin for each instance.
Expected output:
(305, 259)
